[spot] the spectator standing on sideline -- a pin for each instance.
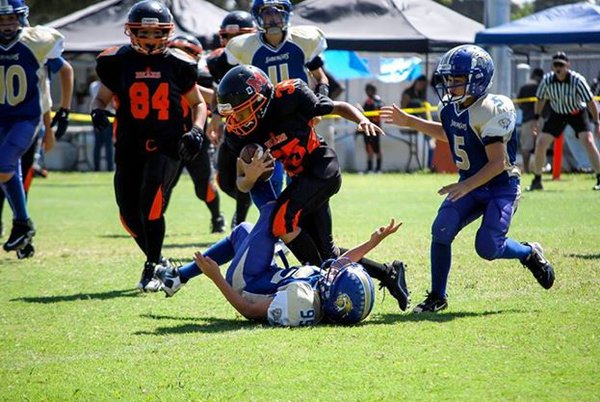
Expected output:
(103, 138)
(569, 94)
(413, 97)
(527, 137)
(372, 142)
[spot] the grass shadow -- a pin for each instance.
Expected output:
(585, 256)
(438, 317)
(113, 294)
(205, 325)
(188, 245)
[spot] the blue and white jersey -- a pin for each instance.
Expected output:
(253, 272)
(23, 71)
(490, 119)
(287, 61)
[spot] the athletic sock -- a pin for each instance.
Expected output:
(305, 250)
(441, 259)
(15, 194)
(515, 250)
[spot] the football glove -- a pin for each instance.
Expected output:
(322, 89)
(100, 118)
(61, 120)
(190, 144)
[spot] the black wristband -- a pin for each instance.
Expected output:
(536, 116)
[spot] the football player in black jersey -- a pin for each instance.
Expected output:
(201, 168)
(280, 118)
(235, 23)
(147, 81)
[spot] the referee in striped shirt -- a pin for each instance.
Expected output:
(569, 95)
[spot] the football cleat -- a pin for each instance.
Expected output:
(538, 265)
(170, 281)
(395, 282)
(26, 252)
(432, 304)
(21, 234)
(218, 225)
(147, 281)
(536, 184)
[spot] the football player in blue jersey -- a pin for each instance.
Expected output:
(479, 127)
(48, 137)
(24, 51)
(148, 79)
(261, 290)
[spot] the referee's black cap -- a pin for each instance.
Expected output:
(560, 57)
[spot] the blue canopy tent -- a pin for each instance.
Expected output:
(571, 28)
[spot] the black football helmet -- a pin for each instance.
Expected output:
(236, 23)
(149, 14)
(188, 43)
(243, 97)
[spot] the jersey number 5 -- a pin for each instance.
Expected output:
(139, 95)
(462, 158)
(8, 92)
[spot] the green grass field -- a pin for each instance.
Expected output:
(74, 328)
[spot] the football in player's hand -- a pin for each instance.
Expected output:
(255, 150)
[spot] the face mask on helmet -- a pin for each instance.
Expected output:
(463, 72)
(149, 25)
(347, 292)
(188, 44)
(243, 98)
(13, 17)
(272, 16)
(236, 23)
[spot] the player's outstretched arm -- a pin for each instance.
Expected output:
(358, 252)
(394, 115)
(349, 112)
(252, 311)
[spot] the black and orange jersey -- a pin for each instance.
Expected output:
(287, 130)
(374, 103)
(148, 91)
(217, 64)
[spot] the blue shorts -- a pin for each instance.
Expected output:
(16, 136)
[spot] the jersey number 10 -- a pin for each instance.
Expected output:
(141, 102)
(8, 92)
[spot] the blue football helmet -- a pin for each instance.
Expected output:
(149, 14)
(272, 15)
(347, 292)
(468, 61)
(8, 30)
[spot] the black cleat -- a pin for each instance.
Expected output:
(536, 184)
(21, 234)
(540, 267)
(395, 282)
(147, 281)
(432, 304)
(218, 225)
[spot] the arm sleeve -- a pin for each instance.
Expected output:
(540, 93)
(309, 103)
(54, 65)
(107, 69)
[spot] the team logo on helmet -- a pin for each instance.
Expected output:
(468, 61)
(149, 25)
(243, 97)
